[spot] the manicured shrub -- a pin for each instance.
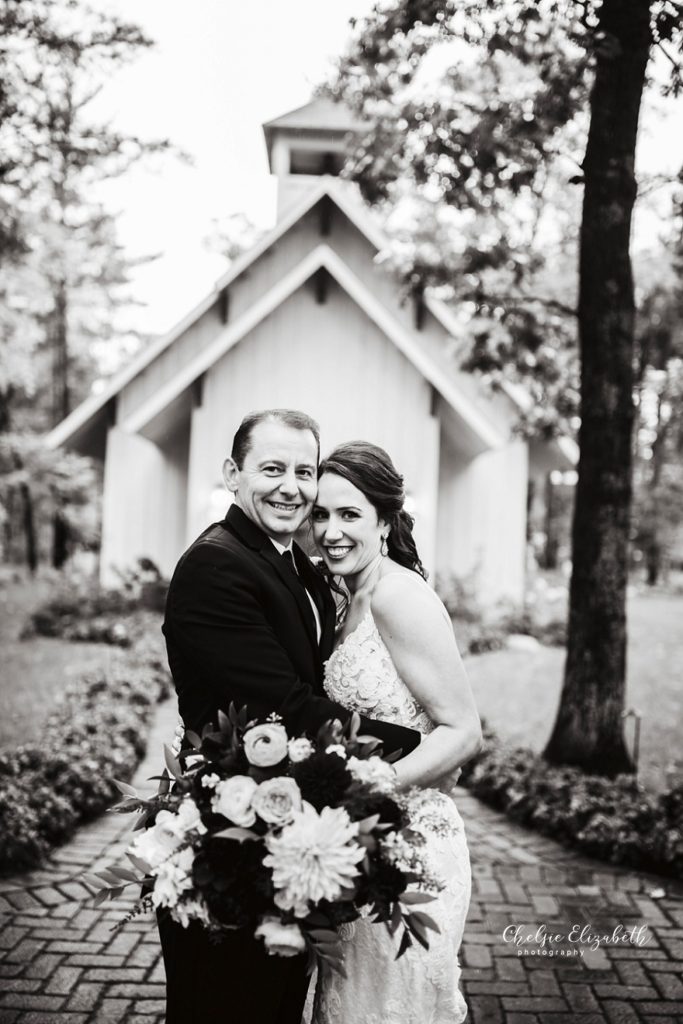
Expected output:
(616, 820)
(81, 610)
(480, 631)
(96, 732)
(485, 638)
(552, 632)
(458, 596)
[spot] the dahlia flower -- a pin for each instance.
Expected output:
(314, 858)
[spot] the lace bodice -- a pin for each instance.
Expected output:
(362, 677)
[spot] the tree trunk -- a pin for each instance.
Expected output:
(8, 524)
(552, 541)
(29, 528)
(6, 396)
(653, 562)
(60, 540)
(588, 731)
(58, 328)
(655, 548)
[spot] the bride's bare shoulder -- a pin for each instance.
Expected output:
(403, 595)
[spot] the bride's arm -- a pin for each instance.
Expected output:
(420, 639)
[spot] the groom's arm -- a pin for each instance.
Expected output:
(222, 649)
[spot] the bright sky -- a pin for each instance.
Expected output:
(219, 70)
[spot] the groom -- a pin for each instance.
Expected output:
(249, 620)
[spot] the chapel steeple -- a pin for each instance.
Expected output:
(307, 143)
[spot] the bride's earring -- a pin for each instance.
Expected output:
(384, 547)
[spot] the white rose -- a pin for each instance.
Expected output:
(188, 817)
(299, 749)
(232, 799)
(265, 745)
(155, 844)
(276, 800)
(374, 772)
(281, 939)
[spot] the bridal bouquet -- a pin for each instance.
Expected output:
(286, 837)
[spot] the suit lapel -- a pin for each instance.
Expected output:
(320, 592)
(295, 587)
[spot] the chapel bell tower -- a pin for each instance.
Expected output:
(306, 144)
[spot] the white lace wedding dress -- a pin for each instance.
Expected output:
(421, 987)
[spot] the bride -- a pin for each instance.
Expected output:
(396, 660)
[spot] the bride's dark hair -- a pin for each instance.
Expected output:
(369, 468)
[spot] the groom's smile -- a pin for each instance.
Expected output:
(277, 482)
(283, 507)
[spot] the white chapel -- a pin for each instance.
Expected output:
(309, 319)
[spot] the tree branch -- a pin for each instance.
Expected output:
(677, 64)
(554, 304)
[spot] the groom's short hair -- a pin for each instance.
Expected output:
(290, 417)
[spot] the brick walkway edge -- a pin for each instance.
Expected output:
(551, 936)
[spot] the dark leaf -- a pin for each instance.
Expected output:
(410, 898)
(324, 935)
(406, 943)
(164, 783)
(172, 763)
(418, 931)
(425, 920)
(367, 824)
(139, 863)
(125, 788)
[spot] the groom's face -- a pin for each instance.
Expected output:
(277, 482)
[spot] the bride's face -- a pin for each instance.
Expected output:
(346, 528)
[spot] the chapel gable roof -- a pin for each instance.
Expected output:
(321, 114)
(93, 415)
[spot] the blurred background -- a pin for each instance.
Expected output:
(400, 253)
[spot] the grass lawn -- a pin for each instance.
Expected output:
(34, 672)
(517, 692)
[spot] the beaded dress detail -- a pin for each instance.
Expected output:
(421, 987)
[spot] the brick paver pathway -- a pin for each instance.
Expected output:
(60, 962)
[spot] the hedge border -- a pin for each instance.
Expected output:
(614, 820)
(96, 732)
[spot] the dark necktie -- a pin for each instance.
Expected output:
(288, 557)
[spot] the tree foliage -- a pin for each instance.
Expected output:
(485, 116)
(62, 270)
(481, 111)
(60, 264)
(37, 485)
(479, 116)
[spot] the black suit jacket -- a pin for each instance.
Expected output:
(239, 627)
